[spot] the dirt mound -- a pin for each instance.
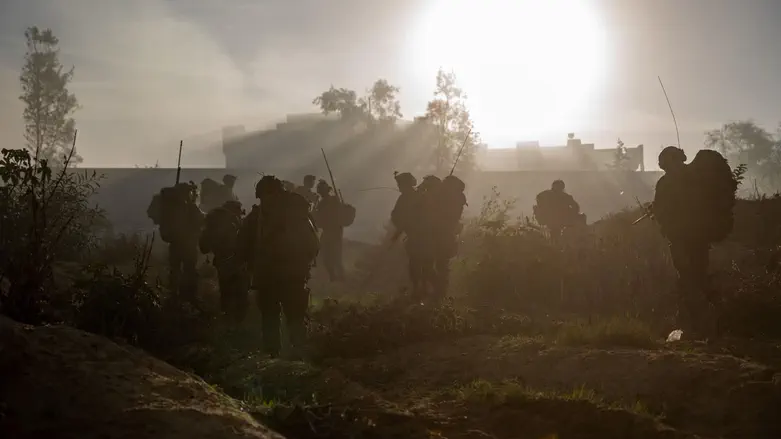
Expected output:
(701, 392)
(329, 405)
(59, 382)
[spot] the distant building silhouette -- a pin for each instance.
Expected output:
(299, 138)
(574, 156)
(295, 145)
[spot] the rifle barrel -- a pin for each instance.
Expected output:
(179, 162)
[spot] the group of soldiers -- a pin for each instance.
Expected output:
(429, 215)
(270, 250)
(273, 248)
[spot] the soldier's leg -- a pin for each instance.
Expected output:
(295, 305)
(189, 282)
(329, 259)
(174, 268)
(239, 285)
(694, 313)
(700, 261)
(442, 273)
(428, 275)
(226, 299)
(705, 306)
(414, 266)
(338, 255)
(268, 301)
(680, 260)
(681, 263)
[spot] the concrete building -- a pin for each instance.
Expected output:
(296, 142)
(573, 156)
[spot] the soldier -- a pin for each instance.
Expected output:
(557, 210)
(328, 217)
(406, 218)
(220, 238)
(228, 183)
(306, 190)
(211, 197)
(180, 220)
(279, 244)
(448, 206)
(693, 206)
(428, 191)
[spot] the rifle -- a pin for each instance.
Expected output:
(460, 150)
(179, 162)
(337, 192)
(647, 209)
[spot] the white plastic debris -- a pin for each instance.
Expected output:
(674, 336)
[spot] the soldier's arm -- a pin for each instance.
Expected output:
(246, 236)
(662, 204)
(396, 215)
(573, 204)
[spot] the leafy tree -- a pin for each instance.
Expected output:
(342, 101)
(746, 142)
(379, 104)
(621, 159)
(382, 102)
(49, 127)
(448, 113)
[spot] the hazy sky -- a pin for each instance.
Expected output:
(149, 72)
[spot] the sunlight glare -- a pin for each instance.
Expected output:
(528, 67)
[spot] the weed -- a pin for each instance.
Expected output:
(614, 332)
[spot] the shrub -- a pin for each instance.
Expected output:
(614, 268)
(126, 306)
(45, 217)
(613, 332)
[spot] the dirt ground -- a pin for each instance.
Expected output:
(58, 382)
(480, 387)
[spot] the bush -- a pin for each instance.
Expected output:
(126, 306)
(606, 333)
(118, 306)
(608, 268)
(45, 218)
(613, 268)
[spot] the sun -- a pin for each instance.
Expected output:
(529, 67)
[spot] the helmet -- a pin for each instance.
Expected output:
(268, 184)
(671, 156)
(451, 181)
(322, 186)
(558, 185)
(309, 179)
(405, 179)
(430, 181)
(229, 179)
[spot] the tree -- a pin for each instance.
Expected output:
(621, 159)
(342, 101)
(746, 142)
(382, 102)
(448, 113)
(49, 127)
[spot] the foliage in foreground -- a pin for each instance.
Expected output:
(613, 268)
(45, 218)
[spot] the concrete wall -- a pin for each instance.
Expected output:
(125, 193)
